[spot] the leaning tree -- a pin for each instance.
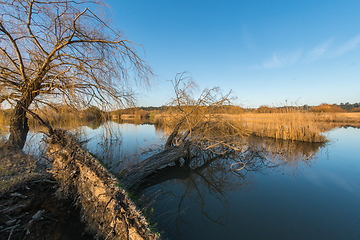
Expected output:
(196, 126)
(62, 51)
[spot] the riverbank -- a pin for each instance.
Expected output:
(34, 206)
(29, 206)
(105, 204)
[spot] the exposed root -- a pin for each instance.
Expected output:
(96, 190)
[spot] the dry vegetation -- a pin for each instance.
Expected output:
(291, 125)
(61, 116)
(296, 125)
(284, 126)
(280, 123)
(29, 208)
(16, 168)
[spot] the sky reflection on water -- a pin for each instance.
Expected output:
(312, 193)
(316, 199)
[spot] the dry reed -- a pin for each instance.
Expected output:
(293, 125)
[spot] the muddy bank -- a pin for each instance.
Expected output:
(77, 199)
(29, 207)
(34, 212)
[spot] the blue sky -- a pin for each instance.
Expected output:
(267, 52)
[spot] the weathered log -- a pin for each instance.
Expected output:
(135, 174)
(176, 147)
(176, 171)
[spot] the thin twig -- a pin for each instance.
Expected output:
(12, 230)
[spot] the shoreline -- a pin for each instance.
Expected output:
(29, 205)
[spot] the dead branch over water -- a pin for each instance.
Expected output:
(203, 125)
(192, 127)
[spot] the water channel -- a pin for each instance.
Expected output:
(285, 191)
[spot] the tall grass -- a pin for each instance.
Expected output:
(4, 123)
(292, 125)
(63, 117)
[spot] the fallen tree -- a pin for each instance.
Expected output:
(105, 205)
(196, 126)
(197, 130)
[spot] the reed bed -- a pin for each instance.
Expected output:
(293, 125)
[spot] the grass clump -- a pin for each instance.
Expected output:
(16, 168)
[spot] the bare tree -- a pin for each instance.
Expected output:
(60, 50)
(196, 126)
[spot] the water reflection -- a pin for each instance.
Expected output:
(206, 179)
(235, 195)
(200, 179)
(260, 155)
(290, 156)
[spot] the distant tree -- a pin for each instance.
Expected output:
(349, 106)
(94, 112)
(326, 108)
(264, 109)
(60, 50)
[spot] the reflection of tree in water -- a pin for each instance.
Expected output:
(207, 176)
(135, 121)
(94, 124)
(291, 156)
(107, 146)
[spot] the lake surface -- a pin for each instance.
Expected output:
(285, 191)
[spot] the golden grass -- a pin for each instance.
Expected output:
(291, 125)
(64, 118)
(294, 125)
(16, 168)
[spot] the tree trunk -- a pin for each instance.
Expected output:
(19, 128)
(135, 174)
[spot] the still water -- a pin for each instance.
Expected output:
(285, 191)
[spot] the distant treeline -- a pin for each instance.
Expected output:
(349, 106)
(305, 108)
(64, 113)
(355, 107)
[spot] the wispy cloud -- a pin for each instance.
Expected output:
(319, 51)
(324, 50)
(280, 60)
(347, 46)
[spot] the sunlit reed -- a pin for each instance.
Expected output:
(292, 125)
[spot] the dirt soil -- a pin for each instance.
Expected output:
(29, 207)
